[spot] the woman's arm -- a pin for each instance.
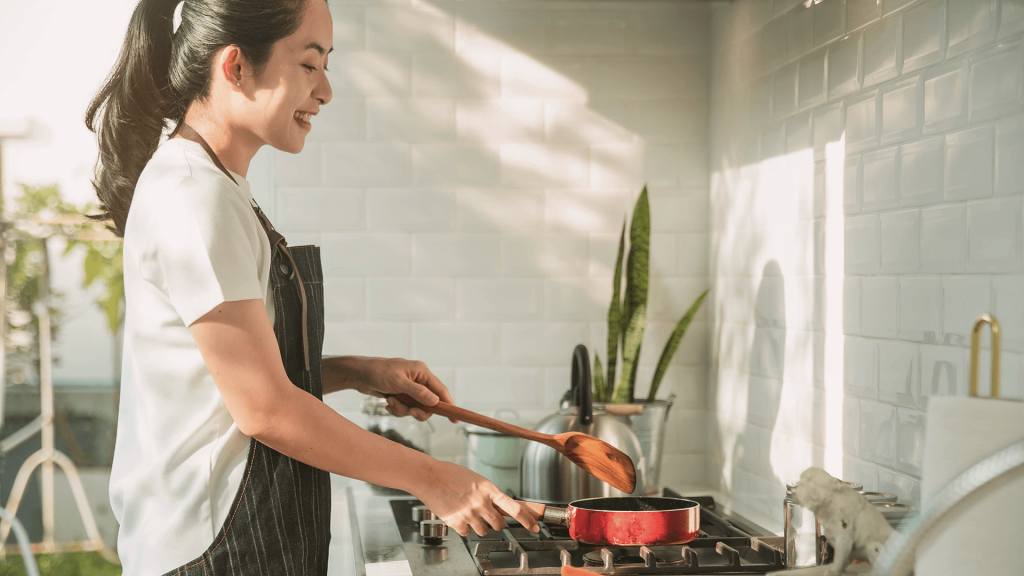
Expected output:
(238, 344)
(380, 376)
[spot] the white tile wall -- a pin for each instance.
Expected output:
(469, 179)
(918, 126)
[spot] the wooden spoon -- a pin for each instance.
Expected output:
(606, 462)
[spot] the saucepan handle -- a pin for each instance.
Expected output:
(542, 512)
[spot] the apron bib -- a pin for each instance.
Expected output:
(279, 521)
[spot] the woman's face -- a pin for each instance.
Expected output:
(294, 85)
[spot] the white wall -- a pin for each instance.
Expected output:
(469, 179)
(895, 128)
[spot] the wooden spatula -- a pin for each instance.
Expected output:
(606, 462)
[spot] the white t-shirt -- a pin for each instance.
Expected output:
(191, 242)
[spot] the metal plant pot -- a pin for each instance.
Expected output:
(648, 421)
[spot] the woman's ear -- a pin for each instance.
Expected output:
(232, 65)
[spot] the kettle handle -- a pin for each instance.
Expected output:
(582, 385)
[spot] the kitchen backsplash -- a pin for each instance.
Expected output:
(468, 181)
(906, 116)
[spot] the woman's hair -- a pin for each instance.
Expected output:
(160, 72)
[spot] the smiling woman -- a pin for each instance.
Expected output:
(224, 443)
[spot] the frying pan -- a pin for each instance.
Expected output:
(624, 521)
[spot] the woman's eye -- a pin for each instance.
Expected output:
(310, 68)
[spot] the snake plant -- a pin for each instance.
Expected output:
(627, 315)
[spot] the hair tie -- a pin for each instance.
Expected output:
(176, 19)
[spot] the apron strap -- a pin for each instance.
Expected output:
(276, 238)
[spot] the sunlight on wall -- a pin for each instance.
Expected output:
(835, 257)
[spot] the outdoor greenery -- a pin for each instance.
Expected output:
(627, 315)
(68, 564)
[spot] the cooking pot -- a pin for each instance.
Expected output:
(549, 477)
(625, 521)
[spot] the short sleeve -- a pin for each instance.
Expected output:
(202, 248)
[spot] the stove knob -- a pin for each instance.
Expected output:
(421, 513)
(433, 531)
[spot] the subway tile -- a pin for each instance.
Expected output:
(921, 172)
(774, 39)
(890, 6)
(382, 339)
(856, 470)
(969, 164)
(924, 35)
(800, 24)
(920, 310)
(972, 24)
(410, 299)
(586, 123)
(862, 244)
(798, 133)
(410, 120)
(943, 372)
(679, 210)
(500, 120)
(500, 299)
(456, 76)
(844, 66)
(616, 166)
(1009, 151)
(852, 178)
(878, 427)
(455, 164)
(455, 255)
(812, 79)
(483, 387)
(828, 21)
(661, 165)
(944, 239)
(585, 210)
(540, 343)
(828, 128)
(945, 96)
(669, 121)
(1011, 18)
(577, 299)
(370, 75)
(692, 254)
(410, 210)
(898, 373)
(883, 50)
(773, 141)
(878, 307)
(349, 28)
(963, 299)
(344, 299)
(641, 78)
(362, 164)
(994, 241)
(544, 165)
(861, 122)
(558, 78)
(693, 167)
(860, 370)
(1011, 377)
(996, 86)
(589, 33)
(881, 178)
(851, 305)
(761, 101)
(366, 254)
(1008, 307)
(900, 103)
(394, 29)
(544, 255)
(784, 91)
(860, 13)
(670, 298)
(659, 33)
(499, 210)
(479, 28)
(901, 240)
(320, 209)
(905, 488)
(299, 169)
(341, 121)
(457, 344)
(910, 459)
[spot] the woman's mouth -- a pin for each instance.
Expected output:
(302, 118)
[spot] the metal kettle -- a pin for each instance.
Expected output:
(547, 476)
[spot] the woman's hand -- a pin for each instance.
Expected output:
(466, 500)
(382, 377)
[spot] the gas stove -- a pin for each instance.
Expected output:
(728, 544)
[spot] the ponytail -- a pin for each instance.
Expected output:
(160, 72)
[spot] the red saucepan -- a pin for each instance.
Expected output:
(625, 521)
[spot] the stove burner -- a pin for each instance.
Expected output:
(633, 556)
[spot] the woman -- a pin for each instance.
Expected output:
(224, 446)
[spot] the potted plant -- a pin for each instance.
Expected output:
(627, 320)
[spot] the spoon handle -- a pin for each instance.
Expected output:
(443, 408)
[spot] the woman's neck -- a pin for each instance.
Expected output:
(232, 146)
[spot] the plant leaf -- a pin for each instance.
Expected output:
(635, 301)
(673, 344)
(615, 329)
(598, 379)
